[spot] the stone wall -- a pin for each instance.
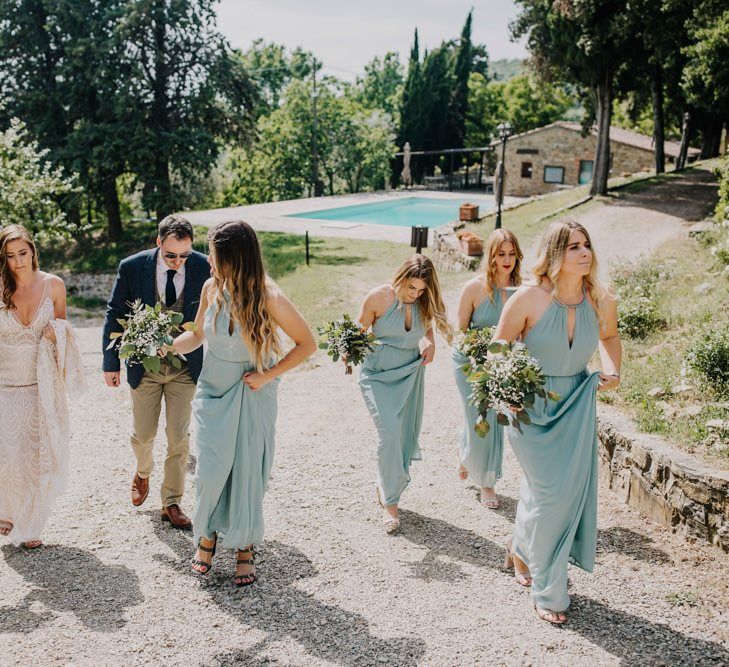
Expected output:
(666, 485)
(88, 285)
(559, 146)
(447, 254)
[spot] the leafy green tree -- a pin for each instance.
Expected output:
(381, 85)
(188, 93)
(458, 104)
(531, 103)
(30, 187)
(271, 69)
(355, 147)
(706, 76)
(486, 109)
(59, 73)
(582, 42)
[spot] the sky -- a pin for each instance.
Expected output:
(346, 35)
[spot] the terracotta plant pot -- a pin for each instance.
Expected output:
(469, 212)
(471, 244)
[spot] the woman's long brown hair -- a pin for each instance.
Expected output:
(238, 270)
(431, 301)
(493, 245)
(7, 281)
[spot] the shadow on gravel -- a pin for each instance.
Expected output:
(629, 543)
(613, 540)
(70, 579)
(275, 606)
(638, 641)
(445, 539)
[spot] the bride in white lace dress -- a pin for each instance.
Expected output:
(39, 359)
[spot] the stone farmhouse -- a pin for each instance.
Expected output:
(557, 156)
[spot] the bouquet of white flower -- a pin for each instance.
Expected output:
(146, 330)
(474, 344)
(507, 382)
(347, 340)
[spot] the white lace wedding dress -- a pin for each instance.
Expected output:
(34, 429)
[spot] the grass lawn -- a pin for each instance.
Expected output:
(529, 220)
(658, 361)
(340, 274)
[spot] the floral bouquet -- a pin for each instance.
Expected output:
(474, 344)
(507, 382)
(146, 330)
(346, 339)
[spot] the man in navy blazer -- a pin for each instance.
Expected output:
(172, 274)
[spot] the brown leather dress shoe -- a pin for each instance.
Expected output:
(176, 517)
(140, 490)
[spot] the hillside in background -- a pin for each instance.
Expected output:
(505, 69)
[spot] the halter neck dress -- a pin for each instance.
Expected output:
(392, 383)
(235, 436)
(481, 456)
(556, 518)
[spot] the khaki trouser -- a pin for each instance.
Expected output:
(178, 390)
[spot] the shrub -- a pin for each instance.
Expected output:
(636, 285)
(639, 278)
(638, 316)
(722, 207)
(709, 356)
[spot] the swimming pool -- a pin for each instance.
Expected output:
(405, 212)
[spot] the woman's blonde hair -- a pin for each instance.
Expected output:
(550, 257)
(7, 281)
(431, 301)
(238, 270)
(493, 245)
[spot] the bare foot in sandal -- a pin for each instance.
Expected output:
(489, 498)
(553, 617)
(31, 544)
(462, 472)
(5, 527)
(203, 560)
(245, 568)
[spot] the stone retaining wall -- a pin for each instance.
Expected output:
(88, 285)
(447, 254)
(666, 485)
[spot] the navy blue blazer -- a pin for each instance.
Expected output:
(136, 279)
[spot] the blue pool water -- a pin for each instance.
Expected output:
(404, 212)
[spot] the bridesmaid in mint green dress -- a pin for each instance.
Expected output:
(562, 320)
(401, 314)
(235, 403)
(479, 306)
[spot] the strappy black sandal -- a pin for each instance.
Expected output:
(210, 550)
(245, 579)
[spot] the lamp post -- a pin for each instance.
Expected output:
(504, 130)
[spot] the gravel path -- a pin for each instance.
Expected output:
(113, 587)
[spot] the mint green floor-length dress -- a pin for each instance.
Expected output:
(556, 519)
(392, 383)
(235, 434)
(481, 457)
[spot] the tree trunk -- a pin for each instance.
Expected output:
(111, 206)
(710, 137)
(658, 125)
(685, 138)
(160, 115)
(72, 210)
(601, 168)
(163, 194)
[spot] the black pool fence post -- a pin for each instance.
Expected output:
(307, 247)
(418, 238)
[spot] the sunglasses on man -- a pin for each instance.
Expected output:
(173, 255)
